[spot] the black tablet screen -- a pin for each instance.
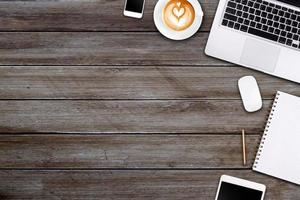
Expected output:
(135, 5)
(230, 191)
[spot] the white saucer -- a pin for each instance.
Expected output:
(177, 35)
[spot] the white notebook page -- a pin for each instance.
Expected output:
(279, 152)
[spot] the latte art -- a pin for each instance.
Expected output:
(178, 14)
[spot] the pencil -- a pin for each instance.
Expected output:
(244, 148)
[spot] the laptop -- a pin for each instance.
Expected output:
(260, 34)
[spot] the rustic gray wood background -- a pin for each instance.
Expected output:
(98, 106)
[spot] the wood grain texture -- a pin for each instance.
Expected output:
(92, 48)
(130, 184)
(82, 15)
(154, 118)
(113, 82)
(169, 116)
(125, 151)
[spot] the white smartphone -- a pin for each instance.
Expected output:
(134, 8)
(231, 188)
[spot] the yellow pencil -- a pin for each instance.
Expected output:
(244, 147)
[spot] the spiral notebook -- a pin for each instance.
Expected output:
(279, 151)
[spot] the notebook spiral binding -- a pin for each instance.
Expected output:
(261, 145)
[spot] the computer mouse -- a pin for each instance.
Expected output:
(250, 93)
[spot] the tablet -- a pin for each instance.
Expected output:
(231, 188)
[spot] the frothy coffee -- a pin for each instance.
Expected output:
(178, 14)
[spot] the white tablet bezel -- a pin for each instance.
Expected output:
(241, 182)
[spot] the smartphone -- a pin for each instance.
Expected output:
(134, 8)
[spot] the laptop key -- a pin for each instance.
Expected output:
(246, 9)
(270, 23)
(287, 15)
(265, 28)
(258, 26)
(230, 17)
(274, 11)
(295, 24)
(237, 26)
(281, 13)
(263, 34)
(224, 22)
(250, 3)
(294, 30)
(246, 22)
(230, 24)
(296, 37)
(270, 16)
(282, 40)
(244, 2)
(243, 28)
(283, 33)
(230, 11)
(276, 31)
(245, 15)
(289, 42)
(265, 3)
(276, 18)
(231, 4)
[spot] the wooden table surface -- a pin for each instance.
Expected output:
(98, 106)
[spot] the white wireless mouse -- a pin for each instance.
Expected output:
(250, 93)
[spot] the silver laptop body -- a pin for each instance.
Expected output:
(261, 49)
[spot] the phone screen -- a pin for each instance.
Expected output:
(134, 6)
(230, 191)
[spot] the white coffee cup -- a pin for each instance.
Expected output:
(169, 32)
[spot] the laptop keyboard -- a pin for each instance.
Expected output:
(264, 19)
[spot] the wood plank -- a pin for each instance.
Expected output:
(125, 151)
(82, 15)
(92, 48)
(151, 116)
(113, 82)
(130, 184)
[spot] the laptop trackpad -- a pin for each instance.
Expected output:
(260, 55)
